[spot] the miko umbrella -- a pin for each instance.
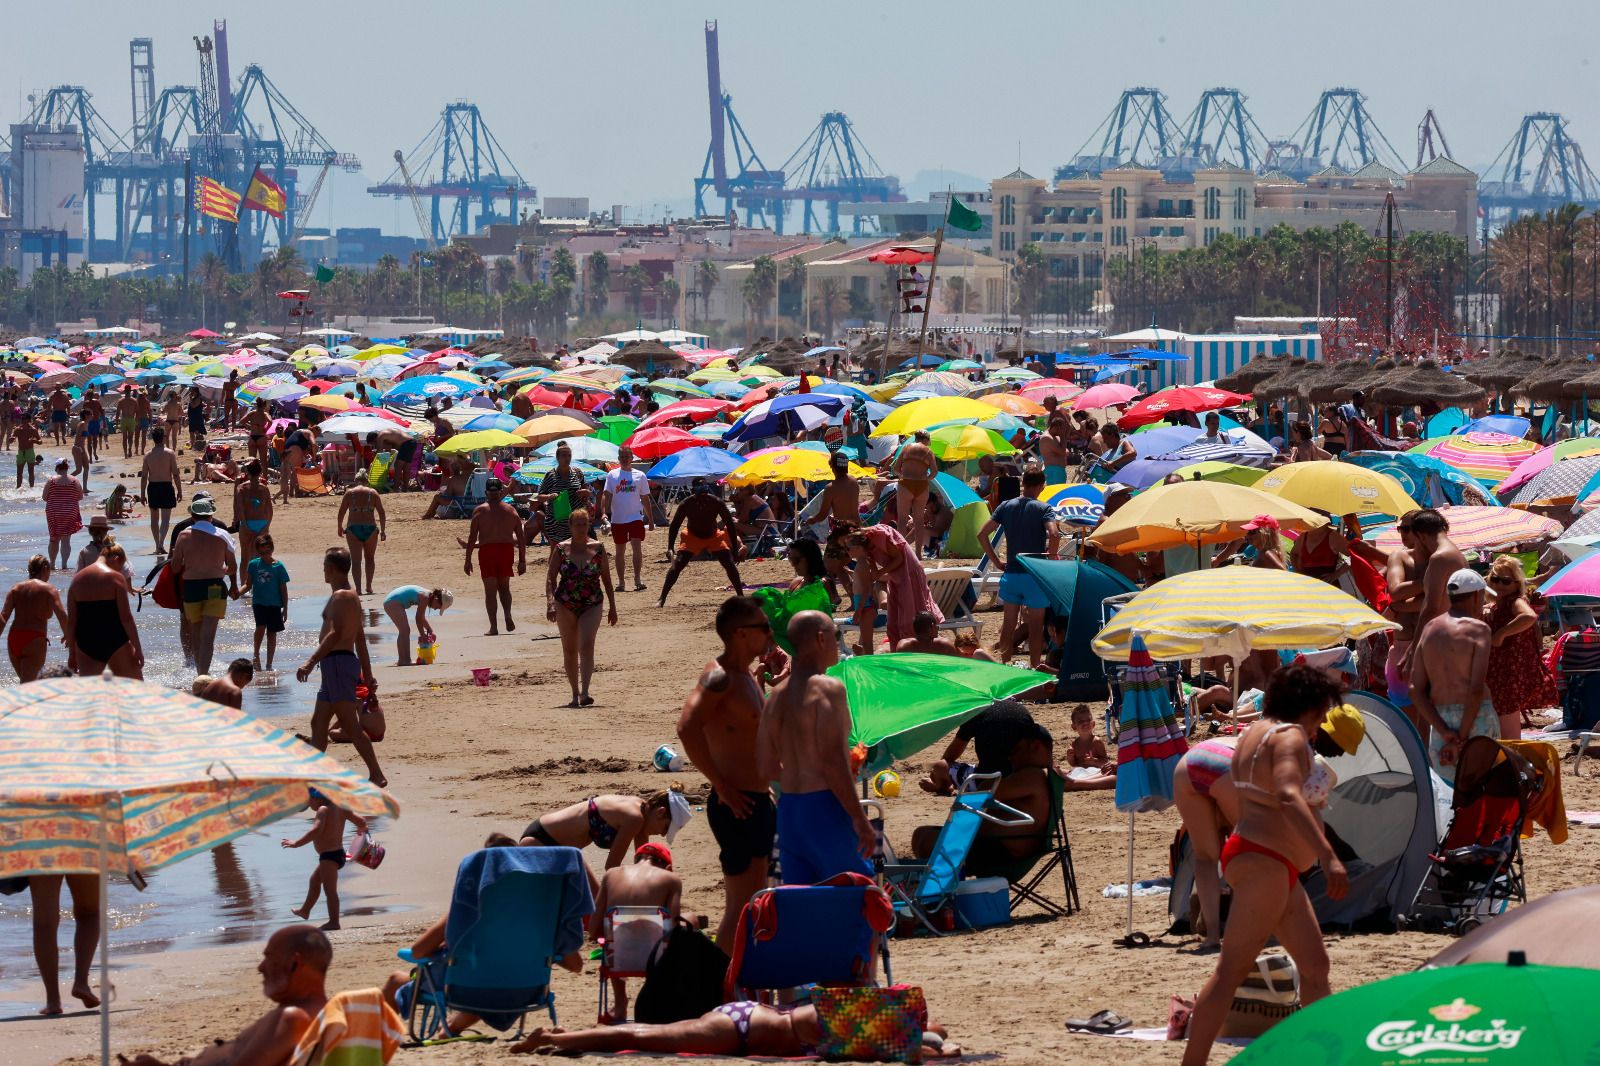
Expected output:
(1484, 528)
(1108, 395)
(709, 463)
(900, 704)
(1338, 488)
(1082, 505)
(104, 775)
(1149, 744)
(1155, 407)
(1489, 457)
(659, 441)
(1484, 1012)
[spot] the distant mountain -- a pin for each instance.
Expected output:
(927, 182)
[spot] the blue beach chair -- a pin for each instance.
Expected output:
(922, 889)
(827, 934)
(514, 912)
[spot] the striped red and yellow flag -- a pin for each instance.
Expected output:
(216, 200)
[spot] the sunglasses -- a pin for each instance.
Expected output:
(1502, 581)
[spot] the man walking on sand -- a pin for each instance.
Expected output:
(804, 744)
(362, 524)
(341, 655)
(28, 440)
(915, 467)
(496, 532)
(718, 729)
(622, 500)
(161, 486)
(202, 556)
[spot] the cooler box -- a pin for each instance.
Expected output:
(983, 902)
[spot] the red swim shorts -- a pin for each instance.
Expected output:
(623, 532)
(495, 560)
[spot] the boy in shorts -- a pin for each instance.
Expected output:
(327, 836)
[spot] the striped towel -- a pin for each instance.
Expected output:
(354, 1029)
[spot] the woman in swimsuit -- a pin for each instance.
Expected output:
(100, 628)
(577, 582)
(31, 602)
(619, 824)
(1277, 835)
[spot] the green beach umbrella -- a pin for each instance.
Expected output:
(1491, 1013)
(1211, 470)
(903, 702)
(617, 428)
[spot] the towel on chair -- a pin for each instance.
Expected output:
(354, 1029)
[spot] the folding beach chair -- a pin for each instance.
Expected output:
(352, 1029)
(827, 934)
(513, 913)
(627, 938)
(311, 483)
(922, 889)
(462, 506)
(1026, 877)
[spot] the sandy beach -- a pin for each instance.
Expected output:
(464, 761)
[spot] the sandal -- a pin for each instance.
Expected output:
(1101, 1023)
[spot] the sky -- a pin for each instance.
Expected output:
(608, 99)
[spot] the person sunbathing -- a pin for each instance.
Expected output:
(925, 638)
(294, 970)
(742, 1029)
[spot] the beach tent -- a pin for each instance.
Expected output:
(968, 514)
(1076, 590)
(1384, 807)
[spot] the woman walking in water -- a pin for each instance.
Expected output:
(100, 627)
(577, 582)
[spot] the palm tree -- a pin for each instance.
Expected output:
(670, 291)
(706, 276)
(1029, 276)
(829, 301)
(502, 276)
(636, 279)
(599, 282)
(759, 287)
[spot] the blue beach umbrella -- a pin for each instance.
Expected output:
(491, 420)
(726, 390)
(710, 463)
(429, 385)
(584, 449)
(533, 472)
(785, 414)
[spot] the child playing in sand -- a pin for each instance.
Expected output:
(268, 579)
(118, 506)
(327, 836)
(1088, 752)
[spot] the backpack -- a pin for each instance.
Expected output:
(683, 978)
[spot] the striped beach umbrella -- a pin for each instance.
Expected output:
(1538, 462)
(1150, 737)
(1561, 483)
(1234, 610)
(1483, 528)
(1489, 457)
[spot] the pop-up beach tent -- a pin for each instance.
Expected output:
(1076, 589)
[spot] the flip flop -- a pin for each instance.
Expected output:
(1102, 1023)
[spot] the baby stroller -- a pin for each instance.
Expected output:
(1477, 870)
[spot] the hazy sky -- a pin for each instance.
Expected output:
(608, 99)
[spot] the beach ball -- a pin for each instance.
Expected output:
(667, 760)
(886, 784)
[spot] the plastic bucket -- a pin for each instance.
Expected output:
(480, 676)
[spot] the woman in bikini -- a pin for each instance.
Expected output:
(28, 608)
(1276, 836)
(577, 582)
(100, 627)
(618, 824)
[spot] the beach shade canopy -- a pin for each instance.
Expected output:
(712, 464)
(1485, 1012)
(1234, 610)
(659, 441)
(1561, 483)
(481, 440)
(921, 414)
(554, 425)
(1338, 488)
(1488, 457)
(1107, 395)
(584, 449)
(1538, 462)
(1076, 589)
(1149, 738)
(789, 464)
(1193, 513)
(904, 702)
(1483, 529)
(1159, 405)
(1554, 930)
(782, 415)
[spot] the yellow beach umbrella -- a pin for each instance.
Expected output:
(376, 350)
(1195, 512)
(702, 377)
(326, 402)
(1234, 610)
(920, 414)
(481, 440)
(885, 391)
(953, 444)
(790, 464)
(1211, 470)
(542, 429)
(1013, 404)
(1338, 488)
(759, 370)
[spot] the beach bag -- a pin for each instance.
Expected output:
(683, 978)
(1264, 998)
(165, 591)
(561, 506)
(871, 1024)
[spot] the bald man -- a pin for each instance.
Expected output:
(294, 970)
(803, 742)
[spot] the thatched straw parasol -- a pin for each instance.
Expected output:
(1425, 383)
(643, 354)
(1499, 372)
(1253, 373)
(787, 354)
(1552, 380)
(1327, 382)
(1289, 381)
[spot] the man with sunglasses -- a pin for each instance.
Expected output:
(718, 729)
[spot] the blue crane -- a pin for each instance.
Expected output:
(1540, 168)
(1220, 131)
(1340, 133)
(832, 166)
(750, 186)
(459, 160)
(1139, 131)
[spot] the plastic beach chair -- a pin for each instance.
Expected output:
(827, 934)
(628, 937)
(311, 483)
(924, 888)
(514, 912)
(948, 586)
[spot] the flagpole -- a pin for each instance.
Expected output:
(933, 269)
(188, 218)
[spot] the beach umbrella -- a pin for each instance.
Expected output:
(1578, 580)
(1107, 395)
(1231, 473)
(1081, 505)
(695, 410)
(430, 386)
(939, 383)
(1488, 457)
(1561, 483)
(659, 441)
(360, 424)
(1194, 513)
(1149, 744)
(1510, 425)
(675, 387)
(1484, 1012)
(533, 471)
(492, 420)
(338, 368)
(960, 365)
(276, 392)
(1014, 403)
(712, 431)
(1233, 610)
(1572, 448)
(1587, 525)
(785, 415)
(616, 428)
(788, 464)
(902, 703)
(586, 449)
(757, 370)
(523, 375)
(1338, 488)
(727, 390)
(104, 381)
(710, 463)
(921, 414)
(582, 397)
(840, 388)
(552, 426)
(706, 377)
(329, 402)
(481, 440)
(1194, 398)
(102, 775)
(1015, 373)
(952, 444)
(1483, 529)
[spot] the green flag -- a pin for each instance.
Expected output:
(324, 274)
(963, 217)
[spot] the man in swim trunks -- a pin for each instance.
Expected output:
(1405, 603)
(161, 487)
(1053, 450)
(93, 413)
(341, 655)
(710, 529)
(252, 508)
(915, 467)
(28, 608)
(207, 569)
(625, 501)
(127, 420)
(803, 743)
(172, 416)
(28, 438)
(648, 881)
(718, 729)
(1449, 671)
(147, 419)
(60, 412)
(230, 399)
(362, 523)
(496, 533)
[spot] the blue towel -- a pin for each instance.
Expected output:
(483, 868)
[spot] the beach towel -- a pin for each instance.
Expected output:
(781, 604)
(1546, 808)
(354, 1029)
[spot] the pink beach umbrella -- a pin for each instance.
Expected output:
(1579, 579)
(1107, 395)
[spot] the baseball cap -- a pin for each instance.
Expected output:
(1261, 521)
(202, 505)
(1465, 582)
(653, 850)
(1345, 727)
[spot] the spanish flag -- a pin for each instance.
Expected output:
(216, 200)
(264, 194)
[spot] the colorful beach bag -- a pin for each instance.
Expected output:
(871, 1024)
